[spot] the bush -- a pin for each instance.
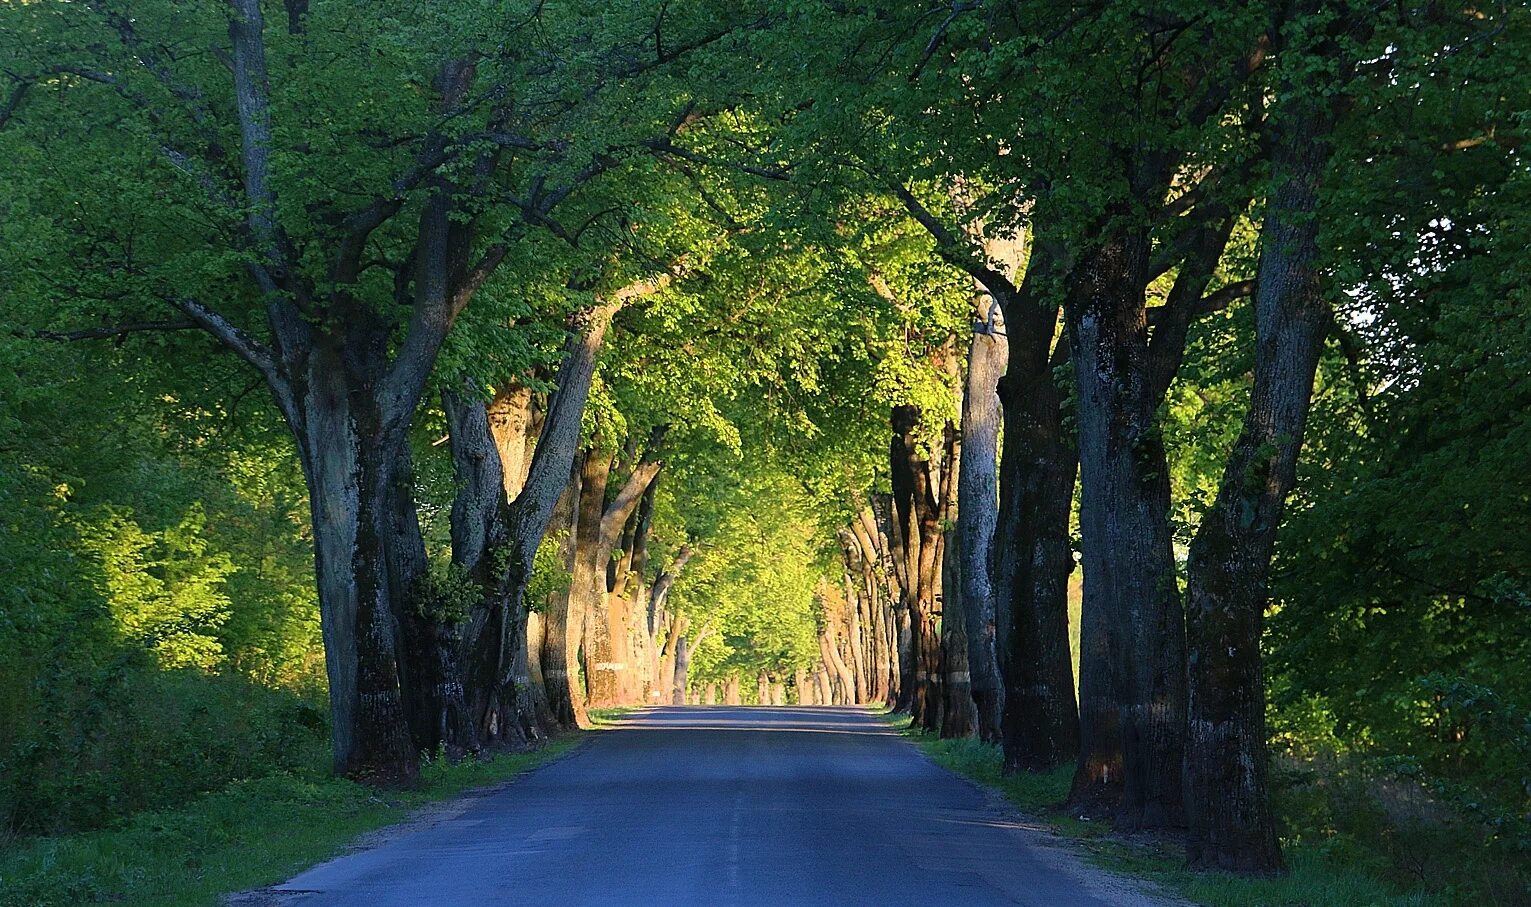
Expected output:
(146, 739)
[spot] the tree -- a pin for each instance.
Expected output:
(340, 245)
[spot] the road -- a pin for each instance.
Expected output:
(722, 806)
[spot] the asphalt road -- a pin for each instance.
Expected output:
(722, 806)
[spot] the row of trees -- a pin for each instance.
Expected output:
(1205, 176)
(747, 342)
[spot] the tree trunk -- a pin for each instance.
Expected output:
(1231, 826)
(1030, 558)
(484, 667)
(607, 619)
(565, 625)
(881, 669)
(917, 511)
(1041, 723)
(1130, 593)
(682, 668)
(842, 673)
(959, 716)
(536, 640)
(977, 516)
(902, 628)
(349, 464)
(587, 587)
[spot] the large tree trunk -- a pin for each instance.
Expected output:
(1131, 599)
(586, 588)
(880, 651)
(607, 619)
(896, 530)
(498, 522)
(630, 612)
(1228, 807)
(977, 516)
(959, 714)
(515, 422)
(665, 627)
(1041, 719)
(1031, 557)
(855, 637)
(565, 625)
(536, 640)
(842, 673)
(350, 466)
(478, 648)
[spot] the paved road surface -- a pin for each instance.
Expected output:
(722, 806)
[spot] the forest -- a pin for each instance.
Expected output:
(1130, 388)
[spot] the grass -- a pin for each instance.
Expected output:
(604, 718)
(1315, 878)
(249, 835)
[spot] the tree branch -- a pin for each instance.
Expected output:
(626, 501)
(248, 348)
(117, 331)
(949, 247)
(13, 100)
(253, 104)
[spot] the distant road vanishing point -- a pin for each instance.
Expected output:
(723, 806)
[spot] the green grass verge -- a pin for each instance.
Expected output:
(1315, 879)
(249, 835)
(605, 718)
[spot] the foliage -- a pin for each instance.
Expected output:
(158, 627)
(549, 577)
(1319, 876)
(753, 585)
(251, 834)
(157, 634)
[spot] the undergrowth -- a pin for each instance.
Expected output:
(247, 835)
(1324, 869)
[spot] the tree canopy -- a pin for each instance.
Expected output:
(404, 382)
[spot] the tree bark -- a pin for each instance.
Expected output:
(498, 522)
(350, 476)
(977, 517)
(565, 625)
(1031, 557)
(918, 507)
(877, 582)
(607, 621)
(959, 715)
(682, 668)
(842, 673)
(1132, 602)
(1231, 826)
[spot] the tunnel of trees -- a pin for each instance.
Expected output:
(1139, 388)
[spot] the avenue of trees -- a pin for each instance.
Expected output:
(1139, 388)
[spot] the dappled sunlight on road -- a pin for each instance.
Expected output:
(840, 720)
